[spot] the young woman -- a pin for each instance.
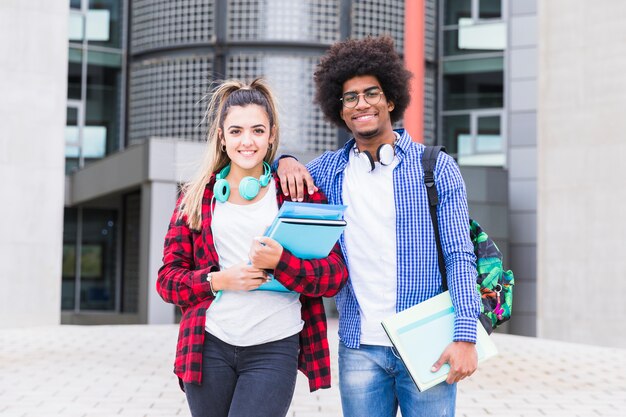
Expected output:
(239, 350)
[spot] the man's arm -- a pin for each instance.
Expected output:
(461, 271)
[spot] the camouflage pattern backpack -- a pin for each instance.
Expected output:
(494, 284)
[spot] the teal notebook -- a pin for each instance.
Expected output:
(421, 333)
(308, 230)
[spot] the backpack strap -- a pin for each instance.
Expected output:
(429, 160)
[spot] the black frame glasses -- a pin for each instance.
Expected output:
(371, 96)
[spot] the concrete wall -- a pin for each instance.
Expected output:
(521, 104)
(33, 82)
(582, 170)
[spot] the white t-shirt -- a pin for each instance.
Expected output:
(370, 238)
(246, 318)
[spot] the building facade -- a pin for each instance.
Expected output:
(138, 75)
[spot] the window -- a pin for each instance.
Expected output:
(72, 136)
(456, 10)
(473, 84)
(89, 259)
(472, 81)
(94, 81)
(475, 138)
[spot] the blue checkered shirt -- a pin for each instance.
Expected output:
(418, 277)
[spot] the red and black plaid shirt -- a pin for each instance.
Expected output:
(189, 255)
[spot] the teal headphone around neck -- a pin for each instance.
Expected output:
(249, 187)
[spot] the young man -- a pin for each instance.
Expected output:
(389, 244)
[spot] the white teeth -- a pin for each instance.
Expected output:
(365, 117)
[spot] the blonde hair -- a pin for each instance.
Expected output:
(227, 94)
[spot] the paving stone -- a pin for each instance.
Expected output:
(93, 371)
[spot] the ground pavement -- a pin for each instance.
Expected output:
(98, 371)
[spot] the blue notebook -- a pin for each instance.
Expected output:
(308, 230)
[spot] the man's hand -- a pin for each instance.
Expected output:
(462, 358)
(293, 177)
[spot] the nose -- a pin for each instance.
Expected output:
(361, 103)
(246, 138)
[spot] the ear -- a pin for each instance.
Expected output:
(390, 106)
(272, 137)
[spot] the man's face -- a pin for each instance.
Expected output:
(366, 120)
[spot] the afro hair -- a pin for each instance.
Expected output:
(373, 56)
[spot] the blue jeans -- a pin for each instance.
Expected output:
(374, 382)
(254, 381)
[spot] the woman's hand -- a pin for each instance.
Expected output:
(240, 277)
(265, 253)
(293, 177)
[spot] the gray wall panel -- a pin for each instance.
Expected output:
(523, 95)
(523, 7)
(523, 228)
(492, 218)
(523, 63)
(523, 31)
(523, 163)
(486, 184)
(523, 129)
(523, 195)
(523, 324)
(525, 296)
(523, 261)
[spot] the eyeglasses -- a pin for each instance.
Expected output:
(371, 97)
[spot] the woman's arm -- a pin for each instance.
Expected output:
(313, 277)
(179, 282)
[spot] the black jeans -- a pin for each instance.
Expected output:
(253, 381)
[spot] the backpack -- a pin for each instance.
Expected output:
(494, 284)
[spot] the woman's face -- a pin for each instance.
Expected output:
(247, 134)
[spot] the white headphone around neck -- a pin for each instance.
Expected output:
(385, 154)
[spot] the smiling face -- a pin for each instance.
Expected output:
(370, 124)
(246, 134)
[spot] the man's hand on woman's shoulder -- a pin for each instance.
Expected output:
(294, 179)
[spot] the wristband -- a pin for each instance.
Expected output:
(209, 278)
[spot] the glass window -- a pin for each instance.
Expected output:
(72, 140)
(76, 26)
(473, 84)
(75, 4)
(475, 138)
(473, 39)
(455, 10)
(98, 260)
(68, 282)
(101, 25)
(490, 9)
(96, 245)
(486, 146)
(104, 23)
(101, 133)
(454, 128)
(488, 139)
(74, 71)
